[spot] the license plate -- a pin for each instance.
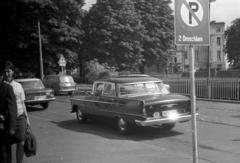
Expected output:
(68, 84)
(40, 97)
(169, 112)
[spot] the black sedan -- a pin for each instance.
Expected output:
(131, 101)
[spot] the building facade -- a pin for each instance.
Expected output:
(204, 55)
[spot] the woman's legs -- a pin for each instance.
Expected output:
(20, 152)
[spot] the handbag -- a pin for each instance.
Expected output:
(2, 122)
(30, 144)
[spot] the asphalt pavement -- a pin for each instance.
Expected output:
(210, 110)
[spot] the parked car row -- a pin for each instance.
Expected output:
(41, 93)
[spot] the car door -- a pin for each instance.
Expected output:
(93, 102)
(108, 101)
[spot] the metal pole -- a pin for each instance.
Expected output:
(193, 105)
(209, 57)
(40, 52)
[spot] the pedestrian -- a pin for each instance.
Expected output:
(22, 115)
(8, 117)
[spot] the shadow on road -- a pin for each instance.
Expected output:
(109, 131)
(34, 108)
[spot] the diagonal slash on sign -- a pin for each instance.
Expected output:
(190, 10)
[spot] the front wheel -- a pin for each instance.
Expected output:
(168, 126)
(80, 117)
(122, 126)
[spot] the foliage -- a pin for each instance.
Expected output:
(156, 15)
(95, 70)
(60, 23)
(232, 48)
(128, 33)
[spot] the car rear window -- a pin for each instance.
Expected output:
(66, 79)
(142, 88)
(32, 84)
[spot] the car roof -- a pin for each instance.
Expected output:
(133, 75)
(26, 79)
(58, 75)
(130, 80)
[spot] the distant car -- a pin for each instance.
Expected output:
(60, 83)
(131, 101)
(35, 92)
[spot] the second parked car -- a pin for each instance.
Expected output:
(60, 83)
(35, 92)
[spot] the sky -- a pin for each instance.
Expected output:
(221, 11)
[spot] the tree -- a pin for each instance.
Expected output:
(156, 15)
(128, 33)
(60, 31)
(95, 70)
(232, 48)
(113, 34)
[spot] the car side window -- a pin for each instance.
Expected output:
(109, 90)
(50, 79)
(55, 79)
(98, 88)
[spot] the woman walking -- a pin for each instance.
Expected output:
(22, 116)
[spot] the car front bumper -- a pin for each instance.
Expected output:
(29, 102)
(152, 122)
(67, 90)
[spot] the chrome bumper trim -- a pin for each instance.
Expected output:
(163, 120)
(36, 101)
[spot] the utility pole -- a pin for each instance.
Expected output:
(209, 57)
(40, 52)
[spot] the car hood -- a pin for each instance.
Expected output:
(161, 98)
(34, 90)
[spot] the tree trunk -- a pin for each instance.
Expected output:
(141, 69)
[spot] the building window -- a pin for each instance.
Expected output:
(218, 30)
(218, 41)
(175, 59)
(218, 55)
(185, 54)
(196, 56)
(211, 59)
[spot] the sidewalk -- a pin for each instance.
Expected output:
(219, 112)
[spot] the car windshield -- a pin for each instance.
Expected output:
(32, 84)
(142, 88)
(66, 79)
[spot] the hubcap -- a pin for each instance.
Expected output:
(79, 114)
(121, 124)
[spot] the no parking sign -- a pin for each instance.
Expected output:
(191, 22)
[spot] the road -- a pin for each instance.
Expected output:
(61, 139)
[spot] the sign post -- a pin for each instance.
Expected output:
(62, 62)
(192, 27)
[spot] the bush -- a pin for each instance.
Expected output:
(96, 70)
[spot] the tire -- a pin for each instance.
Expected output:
(45, 105)
(80, 117)
(70, 93)
(122, 126)
(168, 126)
